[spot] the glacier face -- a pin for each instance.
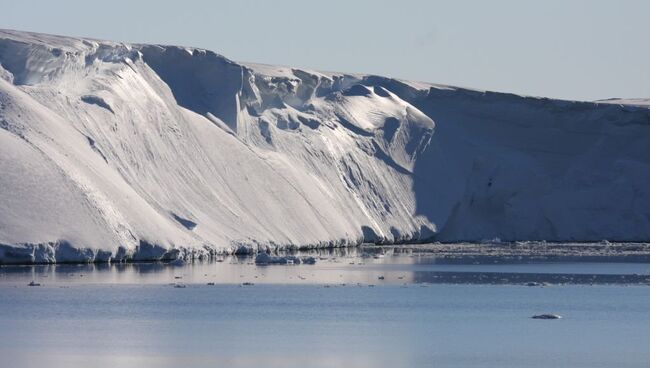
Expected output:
(111, 151)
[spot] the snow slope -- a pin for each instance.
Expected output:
(112, 151)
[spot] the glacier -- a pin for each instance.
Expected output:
(113, 152)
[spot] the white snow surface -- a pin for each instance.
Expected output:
(111, 151)
(641, 102)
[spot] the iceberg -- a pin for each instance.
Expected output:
(115, 152)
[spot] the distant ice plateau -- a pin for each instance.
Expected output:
(113, 151)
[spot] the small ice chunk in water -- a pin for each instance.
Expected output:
(546, 316)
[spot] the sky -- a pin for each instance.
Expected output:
(570, 49)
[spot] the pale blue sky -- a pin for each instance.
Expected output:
(571, 49)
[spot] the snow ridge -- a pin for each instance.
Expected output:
(114, 152)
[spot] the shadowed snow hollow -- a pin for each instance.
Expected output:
(117, 151)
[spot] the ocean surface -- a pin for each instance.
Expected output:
(336, 313)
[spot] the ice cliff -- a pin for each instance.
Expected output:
(112, 151)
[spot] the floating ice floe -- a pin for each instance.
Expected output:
(546, 316)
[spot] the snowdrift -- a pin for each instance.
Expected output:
(112, 152)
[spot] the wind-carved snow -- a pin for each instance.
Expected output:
(111, 151)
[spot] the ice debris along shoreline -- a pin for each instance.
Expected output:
(264, 258)
(116, 151)
(444, 253)
(64, 253)
(524, 252)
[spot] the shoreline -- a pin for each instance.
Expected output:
(526, 252)
(452, 253)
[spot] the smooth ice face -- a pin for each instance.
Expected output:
(118, 151)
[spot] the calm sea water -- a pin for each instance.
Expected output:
(325, 315)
